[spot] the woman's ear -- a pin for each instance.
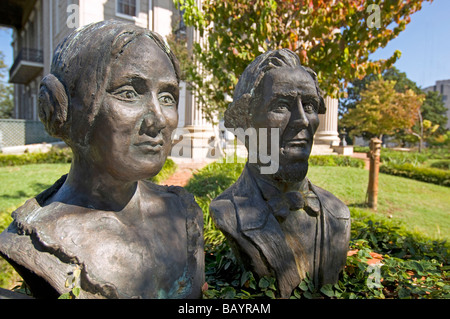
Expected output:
(53, 105)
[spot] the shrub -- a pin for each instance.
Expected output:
(361, 149)
(424, 174)
(166, 171)
(214, 178)
(206, 185)
(411, 267)
(442, 164)
(401, 157)
(63, 155)
(333, 160)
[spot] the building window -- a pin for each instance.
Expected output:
(128, 8)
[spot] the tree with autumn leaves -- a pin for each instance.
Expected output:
(430, 120)
(334, 38)
(383, 110)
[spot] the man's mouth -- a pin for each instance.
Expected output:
(297, 143)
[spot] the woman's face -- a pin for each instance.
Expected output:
(131, 135)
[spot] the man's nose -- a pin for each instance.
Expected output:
(154, 121)
(299, 119)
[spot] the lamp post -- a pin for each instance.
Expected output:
(374, 155)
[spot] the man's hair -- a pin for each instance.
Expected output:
(239, 112)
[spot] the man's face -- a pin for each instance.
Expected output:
(288, 101)
(132, 131)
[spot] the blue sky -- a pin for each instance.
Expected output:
(425, 45)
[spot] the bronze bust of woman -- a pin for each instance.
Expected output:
(112, 96)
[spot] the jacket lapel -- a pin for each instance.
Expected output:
(257, 224)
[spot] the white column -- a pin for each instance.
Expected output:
(327, 133)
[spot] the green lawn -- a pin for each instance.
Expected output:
(19, 183)
(420, 206)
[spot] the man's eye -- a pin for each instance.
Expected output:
(127, 95)
(166, 99)
(310, 108)
(281, 108)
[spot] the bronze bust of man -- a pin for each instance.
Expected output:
(280, 224)
(112, 96)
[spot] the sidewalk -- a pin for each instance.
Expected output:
(364, 157)
(185, 170)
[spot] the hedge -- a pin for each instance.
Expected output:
(442, 164)
(424, 174)
(333, 160)
(167, 170)
(63, 155)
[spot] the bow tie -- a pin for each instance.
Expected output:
(292, 201)
(283, 203)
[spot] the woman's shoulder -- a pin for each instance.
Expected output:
(186, 198)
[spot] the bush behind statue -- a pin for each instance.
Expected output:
(63, 155)
(333, 160)
(424, 174)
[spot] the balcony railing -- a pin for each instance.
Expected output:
(33, 61)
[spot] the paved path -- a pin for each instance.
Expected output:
(184, 172)
(364, 157)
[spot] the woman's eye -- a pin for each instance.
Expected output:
(167, 99)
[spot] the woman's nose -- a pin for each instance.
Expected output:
(154, 121)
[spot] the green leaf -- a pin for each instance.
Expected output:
(327, 290)
(303, 286)
(228, 293)
(65, 296)
(76, 291)
(404, 293)
(270, 294)
(264, 283)
(308, 295)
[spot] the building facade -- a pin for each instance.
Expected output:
(40, 25)
(443, 87)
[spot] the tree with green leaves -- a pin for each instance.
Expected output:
(382, 110)
(355, 87)
(6, 92)
(432, 120)
(334, 38)
(434, 110)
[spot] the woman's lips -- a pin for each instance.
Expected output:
(151, 145)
